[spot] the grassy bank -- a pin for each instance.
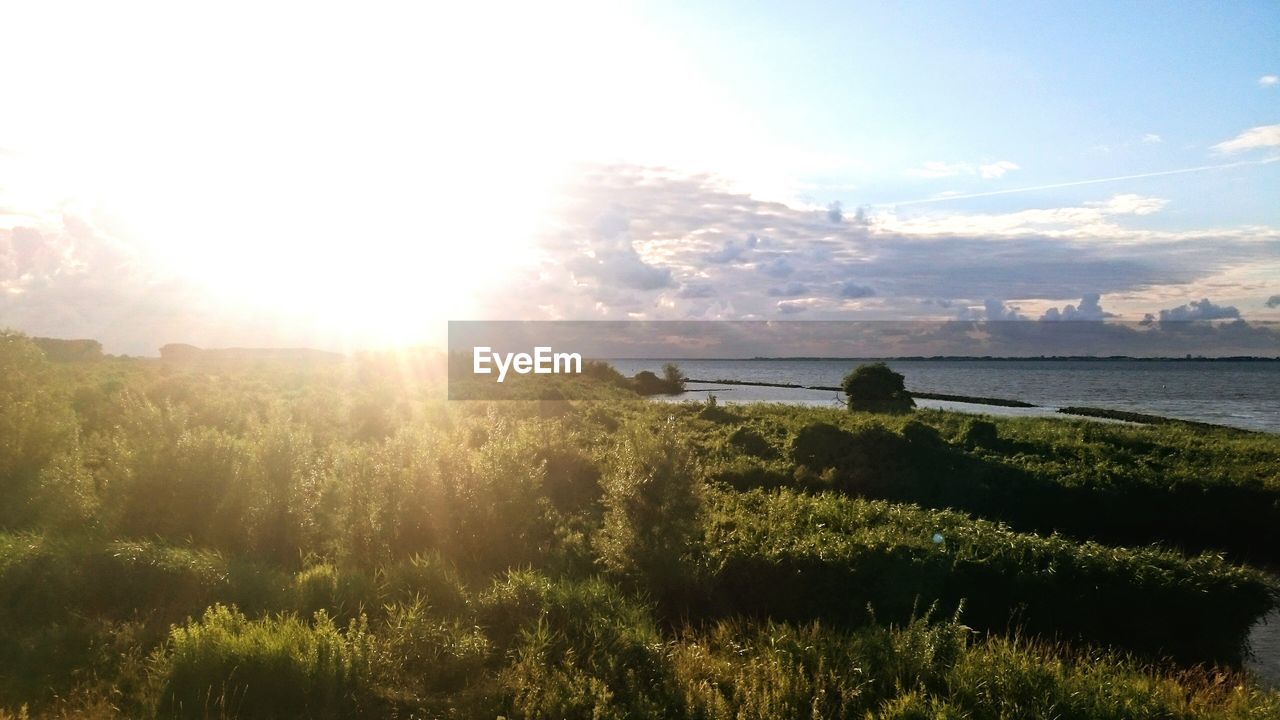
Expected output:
(827, 557)
(1194, 490)
(177, 537)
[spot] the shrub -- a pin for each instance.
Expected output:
(674, 377)
(766, 669)
(424, 654)
(751, 442)
(820, 445)
(876, 388)
(36, 426)
(922, 437)
(981, 434)
(428, 579)
(282, 667)
(580, 649)
(343, 592)
(671, 383)
(792, 556)
(647, 383)
(653, 506)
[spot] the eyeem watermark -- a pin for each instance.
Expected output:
(542, 362)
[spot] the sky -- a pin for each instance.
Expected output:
(349, 177)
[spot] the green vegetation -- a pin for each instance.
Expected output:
(241, 535)
(1135, 417)
(876, 388)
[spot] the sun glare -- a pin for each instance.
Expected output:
(339, 190)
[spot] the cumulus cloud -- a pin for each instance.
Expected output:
(1089, 308)
(722, 243)
(1199, 310)
(733, 250)
(835, 212)
(993, 309)
(608, 256)
(852, 290)
(1263, 136)
(1269, 81)
(638, 243)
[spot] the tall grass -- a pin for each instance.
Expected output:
(795, 556)
(227, 665)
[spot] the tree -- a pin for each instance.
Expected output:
(876, 388)
(674, 377)
(671, 382)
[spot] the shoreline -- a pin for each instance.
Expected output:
(1073, 411)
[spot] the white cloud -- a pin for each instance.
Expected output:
(1130, 204)
(934, 169)
(938, 169)
(1152, 139)
(1092, 219)
(1089, 309)
(997, 169)
(1269, 80)
(1262, 136)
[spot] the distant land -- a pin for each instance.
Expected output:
(70, 350)
(1059, 358)
(183, 351)
(954, 358)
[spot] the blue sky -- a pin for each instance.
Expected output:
(1067, 91)
(355, 176)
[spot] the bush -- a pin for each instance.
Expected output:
(653, 512)
(820, 445)
(798, 557)
(871, 460)
(579, 649)
(37, 425)
(228, 665)
(773, 670)
(344, 593)
(981, 434)
(674, 377)
(424, 654)
(876, 388)
(428, 579)
(671, 383)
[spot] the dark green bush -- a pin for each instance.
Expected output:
(797, 557)
(876, 388)
(981, 434)
(748, 441)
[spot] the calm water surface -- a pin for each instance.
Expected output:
(1241, 394)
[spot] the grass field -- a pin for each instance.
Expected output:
(279, 538)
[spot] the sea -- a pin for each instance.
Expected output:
(1238, 393)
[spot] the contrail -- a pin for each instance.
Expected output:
(1095, 181)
